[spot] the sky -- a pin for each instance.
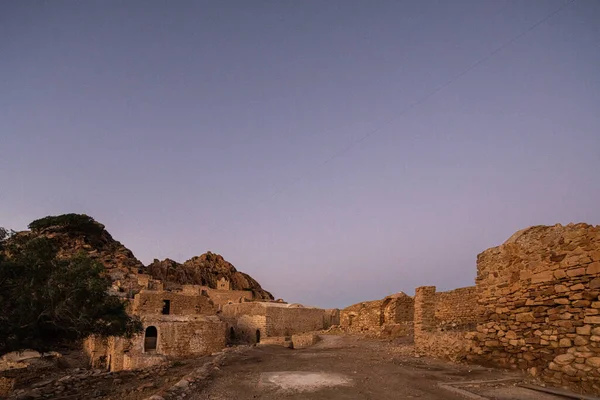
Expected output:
(337, 151)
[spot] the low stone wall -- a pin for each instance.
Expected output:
(305, 340)
(541, 311)
(284, 341)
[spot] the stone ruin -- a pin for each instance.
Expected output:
(535, 307)
(198, 320)
(392, 316)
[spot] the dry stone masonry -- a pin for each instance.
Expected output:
(391, 316)
(540, 307)
(442, 321)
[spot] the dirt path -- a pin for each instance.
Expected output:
(343, 368)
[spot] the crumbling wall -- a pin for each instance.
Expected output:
(96, 350)
(391, 316)
(176, 337)
(331, 317)
(397, 309)
(541, 311)
(222, 297)
(219, 297)
(362, 316)
(435, 333)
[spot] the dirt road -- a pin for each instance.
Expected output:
(346, 368)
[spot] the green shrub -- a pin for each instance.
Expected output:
(68, 222)
(46, 301)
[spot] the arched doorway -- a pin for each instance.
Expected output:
(231, 334)
(258, 336)
(150, 339)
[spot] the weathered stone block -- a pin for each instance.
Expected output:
(593, 268)
(592, 319)
(564, 359)
(562, 288)
(525, 317)
(593, 362)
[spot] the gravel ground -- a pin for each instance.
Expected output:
(346, 367)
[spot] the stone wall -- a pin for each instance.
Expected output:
(219, 297)
(249, 321)
(332, 317)
(303, 340)
(391, 316)
(151, 302)
(176, 337)
(362, 316)
(286, 321)
(541, 311)
(222, 297)
(457, 309)
(441, 326)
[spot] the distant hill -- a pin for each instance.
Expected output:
(205, 270)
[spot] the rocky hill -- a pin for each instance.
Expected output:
(74, 233)
(205, 270)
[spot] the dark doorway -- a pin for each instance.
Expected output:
(231, 334)
(150, 339)
(258, 336)
(166, 307)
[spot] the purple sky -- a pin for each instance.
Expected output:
(194, 126)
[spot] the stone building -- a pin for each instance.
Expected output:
(198, 320)
(252, 322)
(176, 324)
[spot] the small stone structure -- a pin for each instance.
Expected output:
(392, 315)
(252, 322)
(176, 324)
(220, 297)
(223, 283)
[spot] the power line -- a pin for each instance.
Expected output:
(418, 102)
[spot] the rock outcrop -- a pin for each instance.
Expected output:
(205, 270)
(75, 233)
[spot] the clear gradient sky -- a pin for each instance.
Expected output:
(234, 126)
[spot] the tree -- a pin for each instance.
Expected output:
(46, 300)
